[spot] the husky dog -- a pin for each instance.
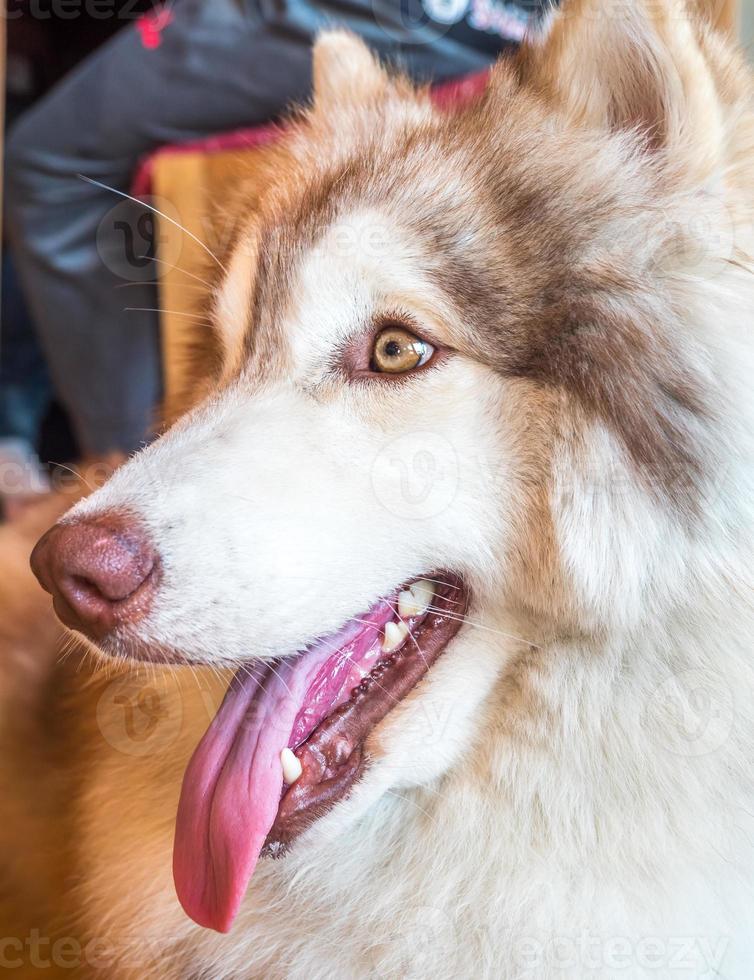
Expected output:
(468, 509)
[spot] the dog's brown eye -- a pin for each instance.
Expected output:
(397, 350)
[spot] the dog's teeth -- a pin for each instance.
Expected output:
(291, 766)
(407, 604)
(424, 592)
(415, 600)
(395, 634)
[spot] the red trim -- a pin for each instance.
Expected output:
(448, 96)
(451, 95)
(151, 25)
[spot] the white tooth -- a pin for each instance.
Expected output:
(407, 605)
(424, 592)
(291, 766)
(395, 634)
(415, 600)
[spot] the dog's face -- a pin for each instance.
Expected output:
(455, 361)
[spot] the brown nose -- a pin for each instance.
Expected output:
(100, 572)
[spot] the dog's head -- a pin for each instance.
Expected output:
(465, 357)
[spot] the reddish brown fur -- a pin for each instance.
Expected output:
(535, 301)
(519, 250)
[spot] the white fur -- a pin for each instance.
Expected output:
(595, 841)
(542, 806)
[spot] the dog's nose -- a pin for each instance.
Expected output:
(100, 572)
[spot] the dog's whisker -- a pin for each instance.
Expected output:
(177, 268)
(154, 210)
(392, 597)
(413, 803)
(68, 645)
(156, 309)
(64, 466)
(331, 646)
(194, 674)
(249, 670)
(484, 626)
(272, 668)
(157, 282)
(439, 581)
(373, 680)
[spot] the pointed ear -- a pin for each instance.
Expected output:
(632, 65)
(346, 73)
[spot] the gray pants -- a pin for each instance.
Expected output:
(216, 66)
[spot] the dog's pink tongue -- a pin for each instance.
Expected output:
(230, 795)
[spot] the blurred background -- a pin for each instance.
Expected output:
(44, 42)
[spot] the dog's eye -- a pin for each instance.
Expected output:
(397, 351)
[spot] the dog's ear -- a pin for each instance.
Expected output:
(632, 65)
(345, 71)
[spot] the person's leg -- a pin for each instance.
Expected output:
(71, 238)
(24, 399)
(24, 384)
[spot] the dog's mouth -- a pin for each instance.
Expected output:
(289, 741)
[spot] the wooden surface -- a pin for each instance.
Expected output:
(196, 190)
(179, 188)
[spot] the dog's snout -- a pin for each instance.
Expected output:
(101, 572)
